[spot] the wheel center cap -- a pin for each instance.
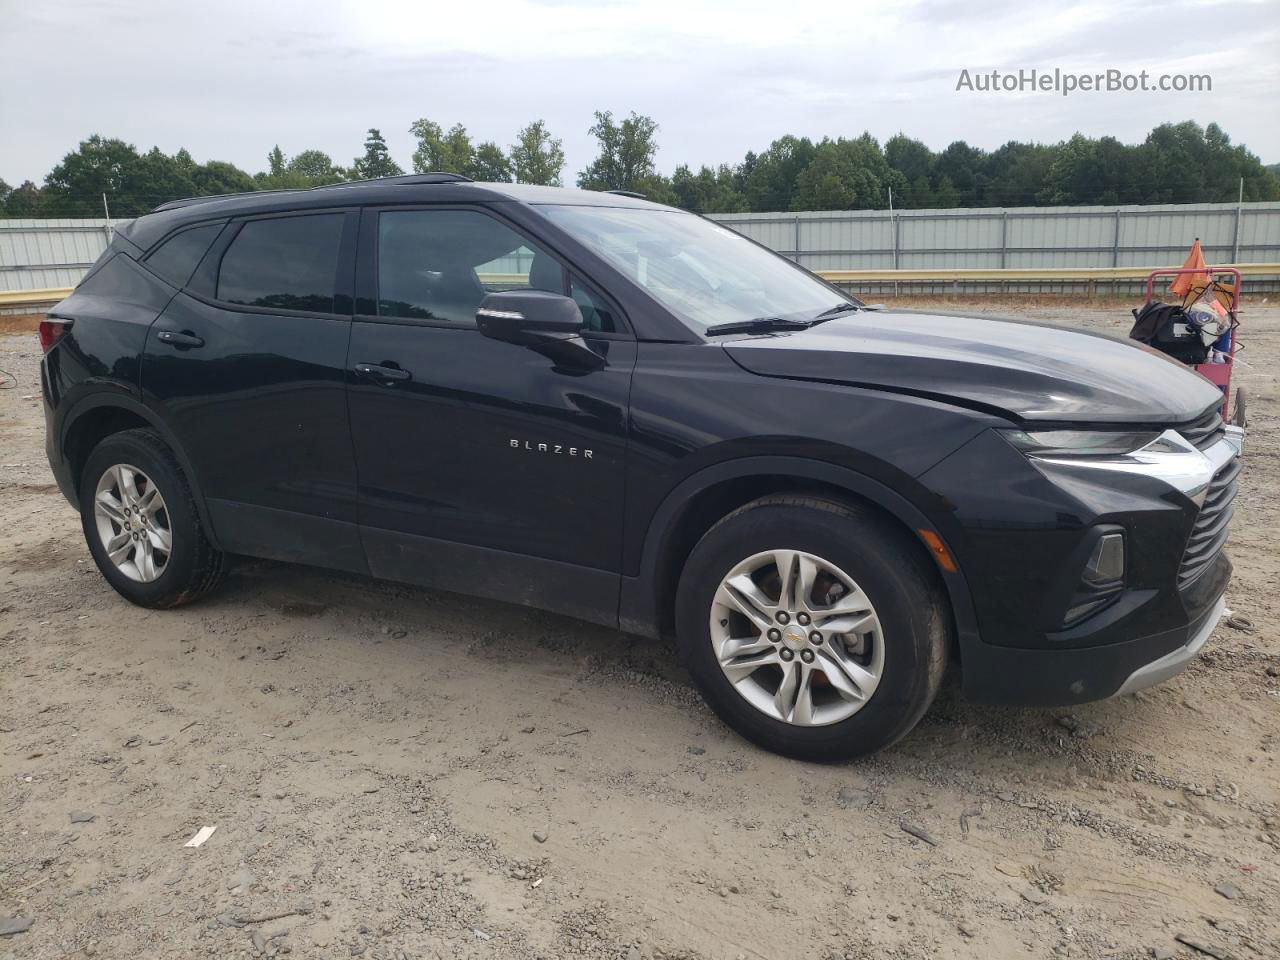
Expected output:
(793, 638)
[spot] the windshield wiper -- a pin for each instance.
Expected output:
(757, 325)
(835, 311)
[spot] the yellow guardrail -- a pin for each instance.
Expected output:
(18, 298)
(1029, 273)
(14, 298)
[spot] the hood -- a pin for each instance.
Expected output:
(1028, 371)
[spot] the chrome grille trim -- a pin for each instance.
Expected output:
(1205, 431)
(1209, 533)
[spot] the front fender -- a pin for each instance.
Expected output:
(639, 608)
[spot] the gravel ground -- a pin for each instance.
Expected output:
(400, 773)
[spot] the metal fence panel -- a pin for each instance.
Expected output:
(1018, 237)
(38, 254)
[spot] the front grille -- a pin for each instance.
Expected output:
(1204, 432)
(1210, 530)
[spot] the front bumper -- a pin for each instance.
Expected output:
(1173, 662)
(1051, 678)
(1025, 526)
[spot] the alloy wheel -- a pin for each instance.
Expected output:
(133, 523)
(797, 638)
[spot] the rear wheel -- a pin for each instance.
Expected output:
(141, 523)
(814, 628)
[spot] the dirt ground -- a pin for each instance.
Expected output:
(401, 773)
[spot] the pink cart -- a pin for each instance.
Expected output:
(1219, 374)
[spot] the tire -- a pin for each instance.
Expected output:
(156, 508)
(878, 565)
(1240, 415)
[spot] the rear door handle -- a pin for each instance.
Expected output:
(176, 339)
(380, 373)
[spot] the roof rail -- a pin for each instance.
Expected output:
(188, 201)
(629, 193)
(404, 179)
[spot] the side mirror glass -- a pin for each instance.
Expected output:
(528, 317)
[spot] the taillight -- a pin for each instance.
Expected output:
(52, 329)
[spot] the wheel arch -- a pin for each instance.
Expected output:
(647, 601)
(96, 417)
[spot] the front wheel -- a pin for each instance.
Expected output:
(141, 523)
(1240, 415)
(814, 628)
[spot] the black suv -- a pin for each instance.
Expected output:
(623, 412)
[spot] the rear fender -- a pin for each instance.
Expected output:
(121, 401)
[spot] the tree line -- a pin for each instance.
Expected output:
(1175, 163)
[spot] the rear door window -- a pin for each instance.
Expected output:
(284, 263)
(176, 259)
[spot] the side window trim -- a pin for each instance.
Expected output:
(183, 228)
(366, 296)
(204, 283)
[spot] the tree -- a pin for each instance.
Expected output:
(708, 191)
(99, 165)
(376, 161)
(1186, 163)
(316, 166)
(26, 200)
(1016, 172)
(155, 179)
(490, 164)
(536, 156)
(771, 183)
(909, 157)
(440, 152)
(847, 175)
(961, 164)
(945, 195)
(657, 188)
(276, 161)
(133, 183)
(1176, 163)
(310, 168)
(217, 177)
(626, 153)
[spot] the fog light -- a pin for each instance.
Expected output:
(1106, 565)
(1101, 581)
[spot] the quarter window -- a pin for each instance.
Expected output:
(596, 312)
(285, 263)
(439, 264)
(177, 257)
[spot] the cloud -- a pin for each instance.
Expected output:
(230, 80)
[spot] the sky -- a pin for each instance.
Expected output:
(229, 80)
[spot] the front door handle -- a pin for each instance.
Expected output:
(173, 338)
(382, 374)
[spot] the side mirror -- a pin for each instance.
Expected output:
(528, 317)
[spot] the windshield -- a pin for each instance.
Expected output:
(704, 274)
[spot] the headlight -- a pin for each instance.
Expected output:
(1080, 443)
